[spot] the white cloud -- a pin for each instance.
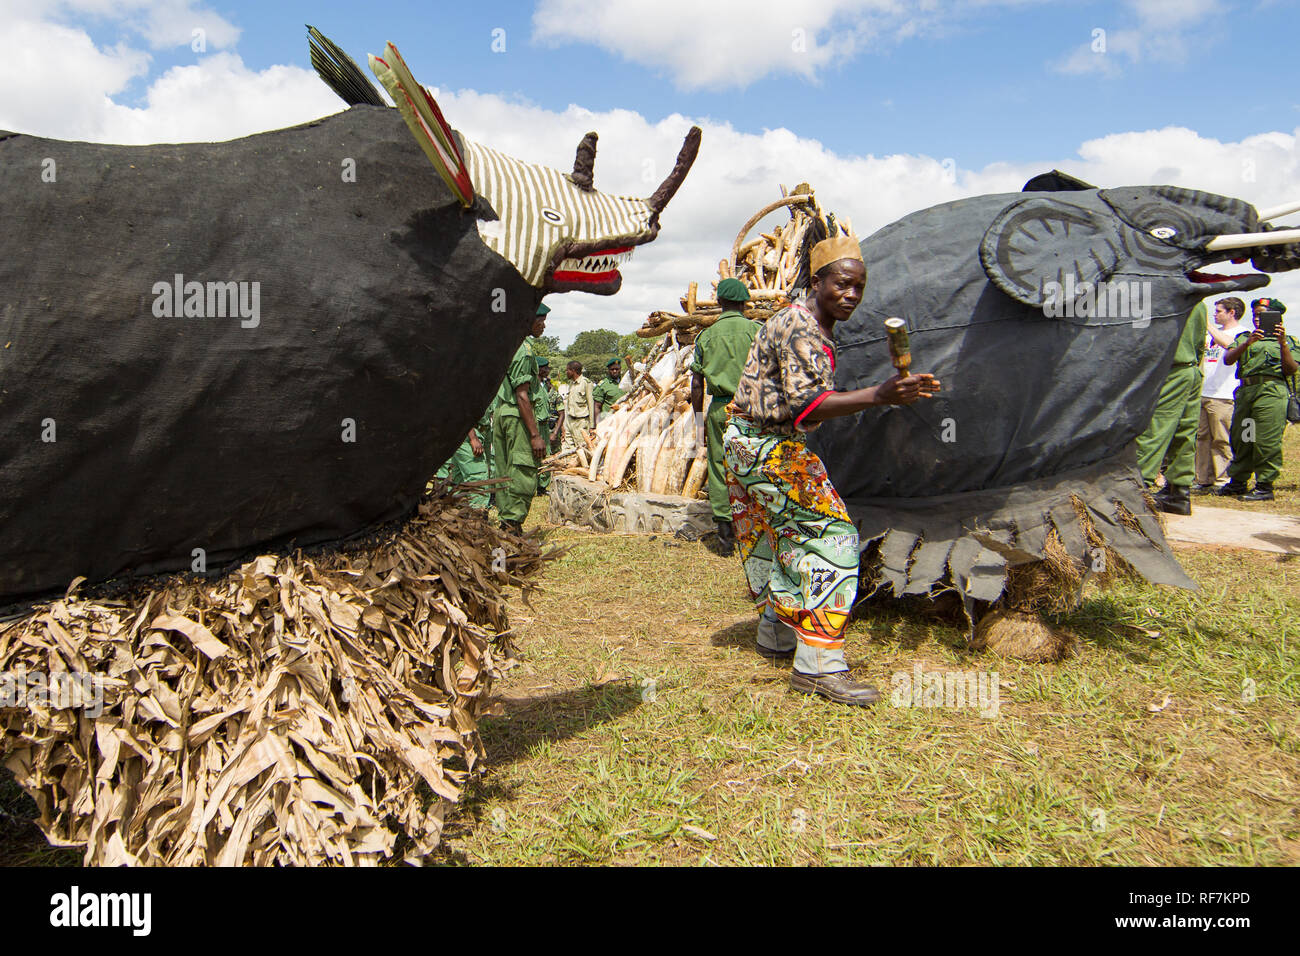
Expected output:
(58, 83)
(1162, 31)
(220, 98)
(728, 44)
(736, 173)
(1174, 14)
(161, 23)
(1102, 53)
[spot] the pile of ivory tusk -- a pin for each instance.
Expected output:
(767, 264)
(647, 444)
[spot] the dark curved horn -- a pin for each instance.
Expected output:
(584, 163)
(668, 188)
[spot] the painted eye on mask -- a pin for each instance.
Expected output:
(551, 216)
(1164, 232)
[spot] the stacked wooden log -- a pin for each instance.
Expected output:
(648, 444)
(768, 265)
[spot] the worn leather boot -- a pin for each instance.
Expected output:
(1263, 492)
(839, 687)
(1231, 490)
(1175, 499)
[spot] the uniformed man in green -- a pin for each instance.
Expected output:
(577, 414)
(1171, 436)
(517, 442)
(606, 392)
(544, 405)
(472, 461)
(720, 354)
(1259, 404)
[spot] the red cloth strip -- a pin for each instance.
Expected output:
(798, 422)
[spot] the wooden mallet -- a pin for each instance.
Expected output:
(900, 346)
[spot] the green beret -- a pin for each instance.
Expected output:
(614, 361)
(733, 290)
(1269, 305)
(543, 360)
(543, 308)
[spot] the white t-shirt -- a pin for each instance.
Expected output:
(1220, 379)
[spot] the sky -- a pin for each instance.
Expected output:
(884, 107)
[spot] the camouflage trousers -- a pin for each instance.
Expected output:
(797, 544)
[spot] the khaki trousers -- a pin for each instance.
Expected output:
(1213, 447)
(572, 433)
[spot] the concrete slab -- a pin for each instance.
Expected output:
(1231, 528)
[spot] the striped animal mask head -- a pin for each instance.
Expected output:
(555, 228)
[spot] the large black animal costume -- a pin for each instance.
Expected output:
(210, 348)
(1051, 316)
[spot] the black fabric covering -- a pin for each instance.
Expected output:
(1055, 181)
(1033, 408)
(181, 433)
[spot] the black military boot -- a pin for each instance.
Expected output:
(1232, 489)
(1263, 492)
(726, 538)
(1174, 499)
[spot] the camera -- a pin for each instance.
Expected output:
(1267, 322)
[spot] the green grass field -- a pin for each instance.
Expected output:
(1171, 738)
(641, 728)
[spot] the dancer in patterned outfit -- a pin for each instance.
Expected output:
(799, 548)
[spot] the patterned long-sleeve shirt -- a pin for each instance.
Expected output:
(791, 369)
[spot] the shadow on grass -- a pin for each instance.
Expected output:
(1106, 622)
(21, 841)
(739, 635)
(905, 624)
(528, 723)
(550, 718)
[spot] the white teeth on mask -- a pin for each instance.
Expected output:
(595, 264)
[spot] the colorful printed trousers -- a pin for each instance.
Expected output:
(799, 548)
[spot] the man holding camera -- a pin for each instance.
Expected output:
(1264, 360)
(1213, 446)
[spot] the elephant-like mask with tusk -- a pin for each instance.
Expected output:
(1051, 316)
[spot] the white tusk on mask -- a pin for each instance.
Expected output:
(1277, 212)
(1247, 239)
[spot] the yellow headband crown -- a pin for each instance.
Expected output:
(832, 250)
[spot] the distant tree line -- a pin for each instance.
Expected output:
(593, 348)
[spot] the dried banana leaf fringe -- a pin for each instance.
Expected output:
(303, 710)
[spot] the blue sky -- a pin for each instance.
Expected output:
(884, 107)
(978, 86)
